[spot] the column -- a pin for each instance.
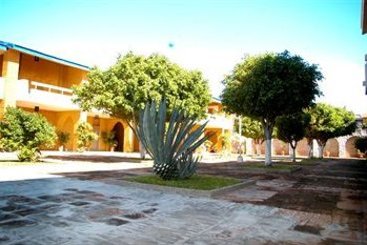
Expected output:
(342, 144)
(10, 69)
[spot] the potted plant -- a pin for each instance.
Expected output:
(109, 140)
(85, 136)
(63, 138)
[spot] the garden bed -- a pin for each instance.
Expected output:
(198, 185)
(197, 182)
(276, 167)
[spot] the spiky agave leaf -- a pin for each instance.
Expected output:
(172, 148)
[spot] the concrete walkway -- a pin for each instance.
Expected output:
(69, 211)
(324, 204)
(54, 162)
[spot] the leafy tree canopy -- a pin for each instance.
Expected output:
(329, 122)
(266, 86)
(270, 85)
(251, 128)
(134, 80)
(292, 128)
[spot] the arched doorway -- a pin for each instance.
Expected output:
(118, 129)
(302, 148)
(350, 150)
(331, 148)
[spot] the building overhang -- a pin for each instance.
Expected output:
(2, 49)
(5, 46)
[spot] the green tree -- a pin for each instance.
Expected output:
(253, 129)
(291, 129)
(328, 122)
(266, 86)
(124, 89)
(26, 132)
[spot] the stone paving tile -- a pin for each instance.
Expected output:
(276, 184)
(249, 194)
(170, 218)
(89, 210)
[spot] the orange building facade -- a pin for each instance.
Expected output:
(35, 81)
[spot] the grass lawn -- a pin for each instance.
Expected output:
(310, 161)
(275, 167)
(198, 182)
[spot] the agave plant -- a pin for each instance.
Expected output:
(171, 143)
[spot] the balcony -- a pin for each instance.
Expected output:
(218, 121)
(50, 97)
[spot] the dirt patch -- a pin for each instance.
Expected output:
(332, 183)
(308, 229)
(301, 200)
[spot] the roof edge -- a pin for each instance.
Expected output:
(45, 56)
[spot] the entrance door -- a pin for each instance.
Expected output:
(118, 129)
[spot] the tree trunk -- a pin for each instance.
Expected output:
(310, 148)
(141, 150)
(268, 130)
(321, 149)
(293, 146)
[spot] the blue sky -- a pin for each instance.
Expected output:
(211, 36)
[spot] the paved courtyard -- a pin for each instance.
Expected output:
(324, 204)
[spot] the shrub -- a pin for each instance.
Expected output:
(109, 138)
(85, 136)
(361, 144)
(26, 132)
(226, 143)
(26, 154)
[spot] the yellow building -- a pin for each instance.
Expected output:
(35, 81)
(219, 124)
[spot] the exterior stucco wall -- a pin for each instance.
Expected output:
(48, 72)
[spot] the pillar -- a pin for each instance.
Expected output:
(10, 69)
(315, 149)
(342, 145)
(128, 139)
(249, 149)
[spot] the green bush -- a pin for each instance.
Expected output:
(26, 132)
(85, 136)
(26, 154)
(109, 139)
(361, 144)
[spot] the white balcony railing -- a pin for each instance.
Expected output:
(44, 94)
(218, 121)
(50, 88)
